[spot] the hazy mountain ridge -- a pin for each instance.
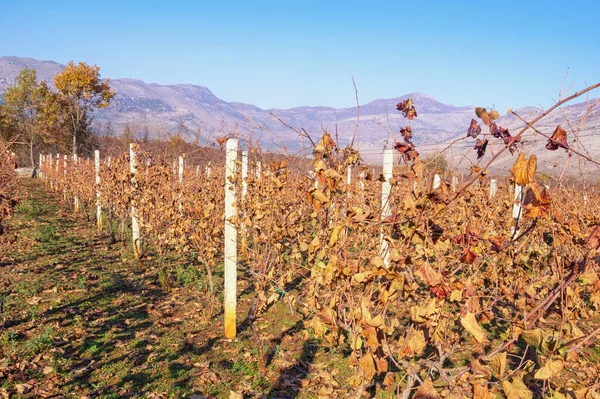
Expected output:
(166, 107)
(158, 109)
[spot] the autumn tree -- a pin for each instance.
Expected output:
(23, 103)
(83, 91)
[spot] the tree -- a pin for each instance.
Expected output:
(22, 104)
(83, 91)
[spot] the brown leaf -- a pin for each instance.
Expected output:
(523, 170)
(406, 133)
(481, 146)
(537, 201)
(558, 139)
(474, 129)
(426, 391)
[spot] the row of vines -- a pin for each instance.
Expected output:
(457, 305)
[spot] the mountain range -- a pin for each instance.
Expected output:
(199, 115)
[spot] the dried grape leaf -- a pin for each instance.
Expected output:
(537, 201)
(481, 146)
(406, 133)
(407, 109)
(558, 139)
(474, 129)
(523, 170)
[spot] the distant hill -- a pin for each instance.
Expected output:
(161, 110)
(164, 108)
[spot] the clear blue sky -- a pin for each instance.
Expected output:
(283, 54)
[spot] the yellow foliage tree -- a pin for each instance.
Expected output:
(83, 91)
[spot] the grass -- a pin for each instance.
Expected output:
(108, 326)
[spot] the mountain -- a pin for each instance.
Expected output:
(195, 110)
(198, 114)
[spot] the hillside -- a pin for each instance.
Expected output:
(198, 114)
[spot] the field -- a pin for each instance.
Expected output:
(427, 295)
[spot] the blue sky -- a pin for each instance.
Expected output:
(284, 54)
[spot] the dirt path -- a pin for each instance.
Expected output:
(83, 319)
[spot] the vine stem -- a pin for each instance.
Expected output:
(474, 177)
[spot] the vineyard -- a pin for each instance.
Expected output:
(340, 280)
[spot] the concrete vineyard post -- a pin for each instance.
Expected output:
(40, 163)
(65, 177)
(75, 197)
(244, 173)
(230, 244)
(348, 178)
(180, 179)
(517, 208)
(454, 184)
(437, 181)
(258, 170)
(135, 226)
(98, 205)
(493, 188)
(386, 206)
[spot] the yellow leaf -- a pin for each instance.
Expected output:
(498, 364)
(470, 324)
(367, 365)
(360, 278)
(534, 338)
(480, 391)
(524, 170)
(551, 369)
(335, 235)
(516, 389)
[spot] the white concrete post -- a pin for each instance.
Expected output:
(348, 179)
(230, 248)
(386, 206)
(454, 184)
(437, 181)
(65, 176)
(75, 197)
(258, 170)
(244, 173)
(135, 225)
(517, 208)
(493, 188)
(180, 178)
(41, 162)
(98, 205)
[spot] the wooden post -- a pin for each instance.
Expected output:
(437, 181)
(244, 173)
(230, 250)
(386, 206)
(135, 226)
(98, 205)
(493, 188)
